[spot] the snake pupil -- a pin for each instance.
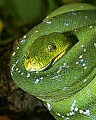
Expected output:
(51, 47)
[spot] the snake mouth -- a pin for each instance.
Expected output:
(34, 66)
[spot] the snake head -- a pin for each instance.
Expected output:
(41, 55)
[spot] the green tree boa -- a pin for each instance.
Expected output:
(56, 62)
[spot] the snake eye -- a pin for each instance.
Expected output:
(51, 47)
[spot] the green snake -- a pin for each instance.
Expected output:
(56, 62)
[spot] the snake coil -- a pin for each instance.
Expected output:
(56, 62)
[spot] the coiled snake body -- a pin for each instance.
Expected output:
(56, 62)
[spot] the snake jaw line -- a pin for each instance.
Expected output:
(32, 66)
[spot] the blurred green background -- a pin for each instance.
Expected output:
(19, 16)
